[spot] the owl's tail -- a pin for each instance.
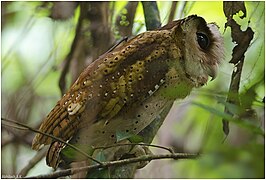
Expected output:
(52, 158)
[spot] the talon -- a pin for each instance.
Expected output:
(139, 150)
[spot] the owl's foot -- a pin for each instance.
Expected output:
(131, 151)
(139, 150)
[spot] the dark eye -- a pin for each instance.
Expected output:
(203, 40)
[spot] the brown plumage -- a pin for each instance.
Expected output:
(127, 88)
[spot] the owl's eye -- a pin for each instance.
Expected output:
(203, 40)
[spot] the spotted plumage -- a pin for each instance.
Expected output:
(124, 90)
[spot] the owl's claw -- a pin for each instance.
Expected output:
(129, 151)
(139, 150)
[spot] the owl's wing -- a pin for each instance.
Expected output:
(128, 74)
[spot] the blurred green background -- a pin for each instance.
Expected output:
(34, 46)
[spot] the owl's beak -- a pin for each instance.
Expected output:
(212, 71)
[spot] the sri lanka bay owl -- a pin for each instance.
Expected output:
(124, 90)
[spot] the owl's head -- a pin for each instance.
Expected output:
(201, 46)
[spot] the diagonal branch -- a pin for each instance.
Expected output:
(21, 126)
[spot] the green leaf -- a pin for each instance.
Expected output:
(71, 154)
(242, 123)
(100, 156)
(181, 90)
(232, 108)
(121, 135)
(136, 139)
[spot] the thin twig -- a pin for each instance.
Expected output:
(124, 39)
(51, 136)
(72, 171)
(17, 137)
(141, 144)
(16, 127)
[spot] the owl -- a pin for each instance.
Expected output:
(126, 89)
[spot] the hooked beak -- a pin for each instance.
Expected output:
(212, 71)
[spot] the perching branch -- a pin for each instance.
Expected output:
(72, 171)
